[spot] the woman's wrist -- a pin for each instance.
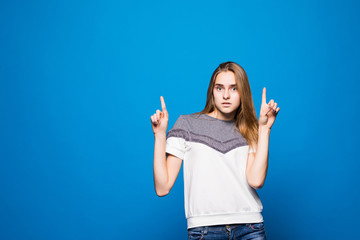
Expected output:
(160, 135)
(264, 129)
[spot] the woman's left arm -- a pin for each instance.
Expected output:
(257, 163)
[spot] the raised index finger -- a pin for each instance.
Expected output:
(264, 96)
(163, 106)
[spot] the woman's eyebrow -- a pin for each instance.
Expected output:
(218, 84)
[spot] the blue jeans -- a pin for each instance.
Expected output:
(245, 231)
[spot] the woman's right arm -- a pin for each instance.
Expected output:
(167, 169)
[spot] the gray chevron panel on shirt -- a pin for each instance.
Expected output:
(215, 133)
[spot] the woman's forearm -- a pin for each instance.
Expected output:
(160, 167)
(259, 168)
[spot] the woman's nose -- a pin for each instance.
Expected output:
(226, 94)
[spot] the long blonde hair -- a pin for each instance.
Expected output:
(246, 122)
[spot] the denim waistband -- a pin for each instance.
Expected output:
(228, 227)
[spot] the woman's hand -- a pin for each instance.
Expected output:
(159, 120)
(268, 112)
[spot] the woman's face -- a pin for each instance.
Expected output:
(226, 96)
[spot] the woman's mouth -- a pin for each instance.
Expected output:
(226, 104)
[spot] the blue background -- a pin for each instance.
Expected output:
(80, 80)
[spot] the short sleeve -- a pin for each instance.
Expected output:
(252, 150)
(177, 138)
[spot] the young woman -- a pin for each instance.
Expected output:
(225, 153)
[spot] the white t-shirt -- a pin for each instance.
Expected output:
(214, 154)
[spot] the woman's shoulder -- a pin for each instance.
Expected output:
(193, 118)
(196, 115)
(187, 121)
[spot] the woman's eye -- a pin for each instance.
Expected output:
(220, 88)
